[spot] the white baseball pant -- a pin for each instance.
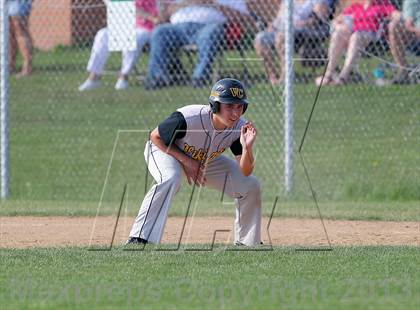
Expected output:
(168, 173)
(100, 52)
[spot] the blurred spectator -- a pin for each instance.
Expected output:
(404, 29)
(199, 22)
(147, 16)
(354, 29)
(20, 37)
(310, 22)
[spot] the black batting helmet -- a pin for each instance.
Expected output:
(228, 91)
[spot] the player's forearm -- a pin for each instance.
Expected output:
(171, 150)
(246, 163)
(178, 155)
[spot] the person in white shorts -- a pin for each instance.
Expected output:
(147, 16)
(190, 143)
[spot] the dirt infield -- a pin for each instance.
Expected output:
(24, 232)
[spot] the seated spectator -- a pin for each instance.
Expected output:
(403, 29)
(310, 22)
(147, 17)
(20, 37)
(354, 29)
(199, 22)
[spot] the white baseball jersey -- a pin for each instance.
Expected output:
(191, 130)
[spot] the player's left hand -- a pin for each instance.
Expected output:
(248, 134)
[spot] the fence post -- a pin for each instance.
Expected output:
(288, 100)
(4, 98)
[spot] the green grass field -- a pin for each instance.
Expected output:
(361, 149)
(361, 152)
(346, 278)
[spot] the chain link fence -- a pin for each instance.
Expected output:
(79, 122)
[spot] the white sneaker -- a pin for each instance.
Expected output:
(90, 84)
(121, 84)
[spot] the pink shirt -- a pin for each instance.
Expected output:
(147, 6)
(369, 19)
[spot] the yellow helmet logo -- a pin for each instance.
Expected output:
(237, 92)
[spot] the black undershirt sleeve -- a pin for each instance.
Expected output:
(236, 147)
(172, 128)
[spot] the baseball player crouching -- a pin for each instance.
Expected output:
(190, 142)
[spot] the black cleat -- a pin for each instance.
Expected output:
(135, 240)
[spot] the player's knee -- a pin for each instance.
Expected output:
(173, 177)
(251, 193)
(253, 185)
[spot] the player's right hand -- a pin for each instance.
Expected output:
(194, 172)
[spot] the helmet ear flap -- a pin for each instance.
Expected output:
(244, 107)
(215, 106)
